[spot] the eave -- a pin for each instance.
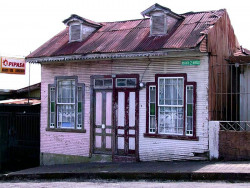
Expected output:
(124, 55)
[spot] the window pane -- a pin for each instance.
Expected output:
(174, 96)
(79, 107)
(180, 95)
(59, 92)
(161, 91)
(189, 110)
(190, 95)
(152, 94)
(66, 116)
(52, 94)
(52, 106)
(171, 120)
(131, 82)
(108, 82)
(171, 91)
(152, 124)
(79, 120)
(121, 82)
(152, 108)
(52, 118)
(189, 123)
(168, 94)
(79, 94)
(66, 91)
(98, 83)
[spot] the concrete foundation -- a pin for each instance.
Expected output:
(52, 159)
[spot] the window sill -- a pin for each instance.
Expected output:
(67, 130)
(176, 137)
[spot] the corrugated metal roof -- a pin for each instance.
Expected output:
(132, 36)
(20, 102)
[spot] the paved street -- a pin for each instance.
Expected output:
(181, 170)
(114, 184)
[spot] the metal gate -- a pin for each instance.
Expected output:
(19, 137)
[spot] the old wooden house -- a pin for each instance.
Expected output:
(136, 90)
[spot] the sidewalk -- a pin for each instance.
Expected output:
(189, 170)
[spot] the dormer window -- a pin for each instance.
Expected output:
(158, 25)
(75, 32)
(80, 28)
(162, 19)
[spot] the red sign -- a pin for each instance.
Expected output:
(12, 65)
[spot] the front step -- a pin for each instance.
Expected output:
(101, 158)
(119, 158)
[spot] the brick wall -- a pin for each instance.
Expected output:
(234, 145)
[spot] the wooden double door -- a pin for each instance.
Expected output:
(116, 123)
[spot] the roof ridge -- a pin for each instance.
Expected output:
(125, 21)
(208, 11)
(113, 30)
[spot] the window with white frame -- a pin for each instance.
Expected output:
(66, 98)
(170, 105)
(174, 111)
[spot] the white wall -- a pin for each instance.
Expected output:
(214, 128)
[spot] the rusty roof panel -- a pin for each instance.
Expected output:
(115, 38)
(133, 39)
(195, 18)
(144, 23)
(133, 35)
(52, 45)
(20, 102)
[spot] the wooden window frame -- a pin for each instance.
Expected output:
(77, 127)
(171, 136)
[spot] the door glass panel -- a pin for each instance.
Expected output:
(98, 141)
(121, 108)
(108, 142)
(109, 108)
(98, 108)
(120, 142)
(132, 143)
(132, 109)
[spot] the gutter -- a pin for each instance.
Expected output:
(110, 56)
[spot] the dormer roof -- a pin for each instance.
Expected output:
(157, 7)
(81, 20)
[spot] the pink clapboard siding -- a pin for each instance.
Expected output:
(149, 148)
